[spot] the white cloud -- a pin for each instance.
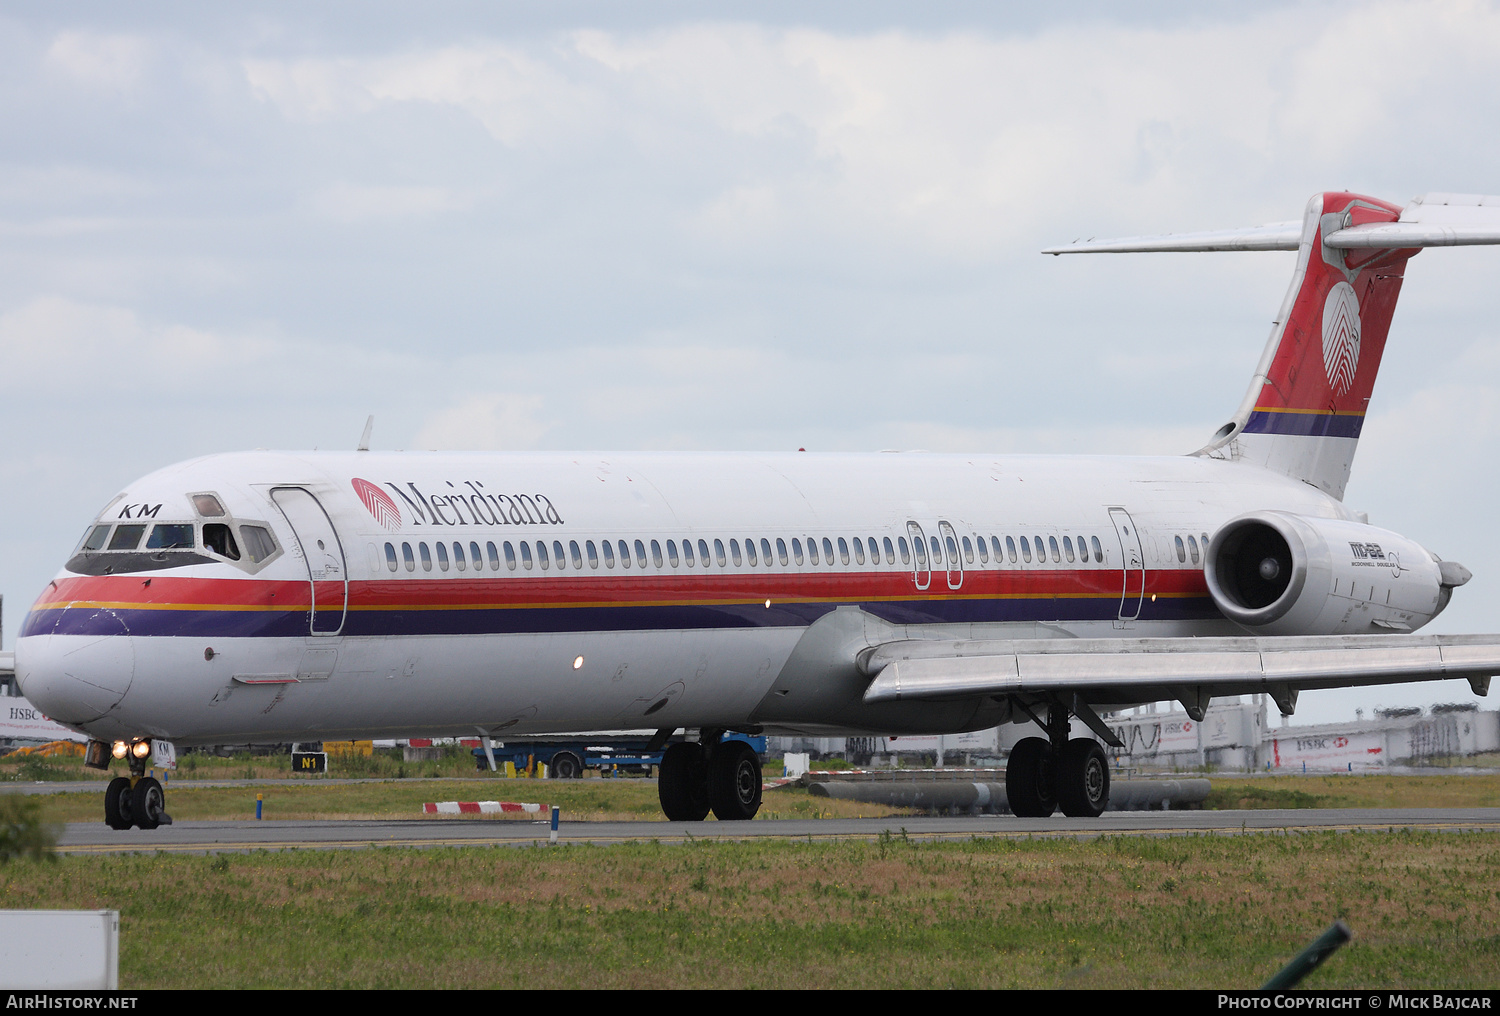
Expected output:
(113, 62)
(494, 422)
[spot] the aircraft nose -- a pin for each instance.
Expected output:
(77, 678)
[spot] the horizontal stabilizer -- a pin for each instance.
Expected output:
(1106, 671)
(1433, 220)
(1276, 236)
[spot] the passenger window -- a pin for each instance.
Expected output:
(703, 552)
(458, 556)
(1010, 548)
(796, 550)
(750, 551)
(859, 551)
(828, 551)
(843, 550)
(390, 557)
(874, 550)
(734, 551)
(640, 555)
(494, 557)
(1068, 548)
(1205, 544)
(984, 557)
(426, 556)
(1193, 548)
(442, 554)
(541, 554)
(127, 537)
(952, 551)
(655, 553)
(905, 555)
(687, 553)
(609, 553)
(968, 551)
(719, 552)
(1098, 550)
(558, 555)
(411, 562)
(95, 539)
(510, 556)
(765, 551)
(576, 554)
(780, 552)
(1181, 550)
(890, 552)
(593, 553)
(1083, 550)
(812, 550)
(219, 538)
(1025, 550)
(625, 555)
(476, 557)
(937, 552)
(998, 552)
(1052, 542)
(525, 555)
(671, 552)
(921, 549)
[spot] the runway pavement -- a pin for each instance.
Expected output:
(239, 836)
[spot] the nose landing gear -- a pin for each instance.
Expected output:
(134, 800)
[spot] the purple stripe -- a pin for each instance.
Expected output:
(231, 623)
(1304, 424)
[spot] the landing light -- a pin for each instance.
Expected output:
(578, 663)
(768, 604)
(120, 749)
(140, 749)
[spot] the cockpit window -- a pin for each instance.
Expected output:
(258, 543)
(208, 506)
(171, 536)
(127, 537)
(219, 538)
(95, 539)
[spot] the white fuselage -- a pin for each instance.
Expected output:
(370, 615)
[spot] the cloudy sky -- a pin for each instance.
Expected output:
(733, 226)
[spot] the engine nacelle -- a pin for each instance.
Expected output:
(1277, 573)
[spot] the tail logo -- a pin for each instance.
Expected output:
(378, 502)
(1341, 337)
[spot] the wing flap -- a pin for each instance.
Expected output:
(1118, 670)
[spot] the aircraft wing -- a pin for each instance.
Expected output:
(1191, 670)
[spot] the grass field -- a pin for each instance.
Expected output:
(1211, 911)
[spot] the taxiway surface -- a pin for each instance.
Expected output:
(240, 835)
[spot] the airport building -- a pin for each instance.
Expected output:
(1233, 735)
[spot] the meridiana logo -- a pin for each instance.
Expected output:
(1341, 337)
(379, 503)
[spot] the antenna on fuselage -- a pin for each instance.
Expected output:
(364, 440)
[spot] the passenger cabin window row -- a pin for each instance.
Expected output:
(1189, 550)
(951, 551)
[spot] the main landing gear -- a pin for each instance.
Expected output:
(710, 774)
(135, 800)
(1044, 773)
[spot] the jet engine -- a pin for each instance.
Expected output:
(1276, 573)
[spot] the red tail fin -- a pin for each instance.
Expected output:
(1306, 405)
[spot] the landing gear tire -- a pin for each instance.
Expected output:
(1082, 778)
(566, 766)
(148, 806)
(1029, 780)
(118, 798)
(683, 783)
(734, 781)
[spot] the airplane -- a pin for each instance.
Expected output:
(274, 596)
